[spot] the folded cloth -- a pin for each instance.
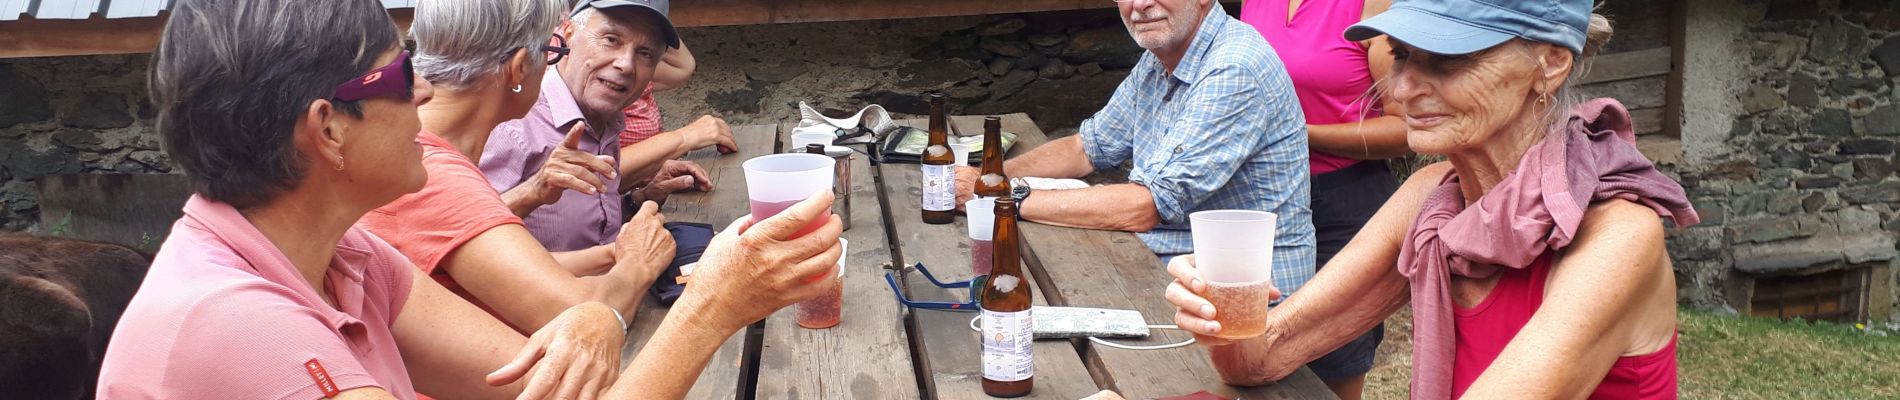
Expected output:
(1535, 210)
(872, 118)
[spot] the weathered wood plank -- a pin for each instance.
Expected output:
(1628, 65)
(1089, 268)
(867, 356)
(131, 209)
(1648, 120)
(1634, 93)
(66, 37)
(952, 355)
(722, 377)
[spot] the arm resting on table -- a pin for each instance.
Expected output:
(1119, 207)
(511, 273)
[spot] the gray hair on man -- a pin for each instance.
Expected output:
(461, 42)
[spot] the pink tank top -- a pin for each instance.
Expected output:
(1329, 72)
(1485, 329)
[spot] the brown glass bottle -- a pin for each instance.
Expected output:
(940, 176)
(993, 182)
(1009, 367)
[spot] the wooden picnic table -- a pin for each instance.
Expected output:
(882, 350)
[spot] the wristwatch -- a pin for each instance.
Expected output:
(1018, 190)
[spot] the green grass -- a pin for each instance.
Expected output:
(1729, 358)
(1764, 358)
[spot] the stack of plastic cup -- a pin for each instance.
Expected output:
(982, 224)
(827, 309)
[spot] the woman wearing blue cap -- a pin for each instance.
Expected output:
(1533, 257)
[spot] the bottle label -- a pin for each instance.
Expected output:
(940, 188)
(1007, 337)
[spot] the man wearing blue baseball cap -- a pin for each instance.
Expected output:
(1532, 258)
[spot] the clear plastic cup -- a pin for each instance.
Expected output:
(982, 226)
(962, 151)
(1234, 251)
(826, 310)
(776, 182)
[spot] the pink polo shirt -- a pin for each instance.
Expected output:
(223, 314)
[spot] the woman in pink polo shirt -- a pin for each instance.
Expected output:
(294, 118)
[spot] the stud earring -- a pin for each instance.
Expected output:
(517, 89)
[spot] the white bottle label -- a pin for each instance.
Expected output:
(1007, 355)
(940, 188)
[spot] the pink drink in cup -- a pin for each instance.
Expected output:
(776, 182)
(1233, 249)
(981, 222)
(826, 310)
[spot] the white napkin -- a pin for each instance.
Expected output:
(873, 117)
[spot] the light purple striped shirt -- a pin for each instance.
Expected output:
(517, 149)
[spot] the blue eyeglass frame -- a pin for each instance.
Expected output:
(975, 285)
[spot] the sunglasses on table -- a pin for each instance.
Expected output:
(975, 285)
(398, 78)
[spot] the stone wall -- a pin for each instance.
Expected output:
(1057, 66)
(90, 114)
(1791, 124)
(70, 115)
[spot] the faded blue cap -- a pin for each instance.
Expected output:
(1467, 26)
(658, 7)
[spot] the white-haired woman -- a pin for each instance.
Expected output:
(485, 59)
(1533, 258)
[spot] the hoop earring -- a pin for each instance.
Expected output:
(517, 88)
(339, 163)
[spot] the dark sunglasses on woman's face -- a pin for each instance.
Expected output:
(556, 50)
(380, 81)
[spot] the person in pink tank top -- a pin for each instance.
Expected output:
(1346, 123)
(1533, 258)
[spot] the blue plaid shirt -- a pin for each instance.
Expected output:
(1223, 131)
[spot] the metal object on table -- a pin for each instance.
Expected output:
(841, 179)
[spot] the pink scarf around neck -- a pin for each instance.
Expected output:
(1536, 209)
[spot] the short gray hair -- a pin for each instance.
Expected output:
(462, 42)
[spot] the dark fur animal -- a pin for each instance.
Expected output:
(59, 301)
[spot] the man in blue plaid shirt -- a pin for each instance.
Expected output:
(1210, 121)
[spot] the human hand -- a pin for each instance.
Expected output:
(675, 176)
(568, 168)
(709, 131)
(1188, 294)
(1104, 395)
(752, 269)
(577, 355)
(966, 184)
(645, 242)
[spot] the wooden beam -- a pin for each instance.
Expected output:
(97, 35)
(1628, 65)
(1672, 87)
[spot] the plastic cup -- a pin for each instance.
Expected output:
(776, 182)
(827, 309)
(1233, 249)
(982, 224)
(800, 139)
(962, 151)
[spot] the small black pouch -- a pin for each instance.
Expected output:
(691, 240)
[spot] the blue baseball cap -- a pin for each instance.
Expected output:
(658, 7)
(1466, 26)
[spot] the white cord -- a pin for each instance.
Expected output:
(1117, 345)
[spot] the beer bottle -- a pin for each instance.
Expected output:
(993, 182)
(940, 177)
(1009, 366)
